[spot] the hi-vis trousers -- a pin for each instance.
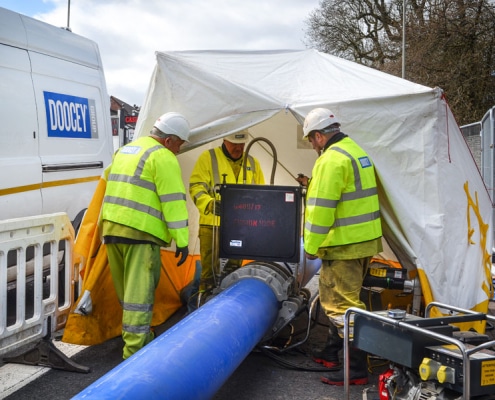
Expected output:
(135, 272)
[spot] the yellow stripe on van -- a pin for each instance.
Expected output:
(38, 186)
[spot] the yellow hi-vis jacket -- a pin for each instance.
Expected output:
(145, 191)
(208, 172)
(342, 202)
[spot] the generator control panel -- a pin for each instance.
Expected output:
(445, 364)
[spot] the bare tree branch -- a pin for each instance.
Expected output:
(449, 43)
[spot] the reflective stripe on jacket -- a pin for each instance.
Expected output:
(145, 191)
(208, 172)
(342, 202)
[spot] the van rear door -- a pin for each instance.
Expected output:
(20, 165)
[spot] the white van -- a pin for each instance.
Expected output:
(55, 129)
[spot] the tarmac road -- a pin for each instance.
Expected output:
(258, 377)
(262, 375)
(287, 375)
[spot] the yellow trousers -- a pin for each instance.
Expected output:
(340, 285)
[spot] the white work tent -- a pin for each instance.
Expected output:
(435, 208)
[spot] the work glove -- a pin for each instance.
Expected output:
(183, 252)
(214, 207)
(303, 180)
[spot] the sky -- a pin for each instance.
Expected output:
(129, 32)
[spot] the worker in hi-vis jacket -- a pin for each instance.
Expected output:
(144, 208)
(223, 164)
(343, 228)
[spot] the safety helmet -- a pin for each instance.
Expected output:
(173, 123)
(238, 137)
(318, 119)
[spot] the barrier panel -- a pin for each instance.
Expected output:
(37, 284)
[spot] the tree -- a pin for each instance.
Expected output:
(449, 44)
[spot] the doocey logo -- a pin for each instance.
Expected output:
(70, 116)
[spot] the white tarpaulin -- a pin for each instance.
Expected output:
(435, 207)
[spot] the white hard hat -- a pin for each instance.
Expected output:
(238, 137)
(318, 119)
(173, 123)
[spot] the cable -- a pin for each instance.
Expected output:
(275, 353)
(292, 365)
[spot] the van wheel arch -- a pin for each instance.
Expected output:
(76, 224)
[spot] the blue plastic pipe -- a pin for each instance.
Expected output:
(194, 358)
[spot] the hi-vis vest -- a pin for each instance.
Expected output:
(342, 202)
(209, 171)
(145, 191)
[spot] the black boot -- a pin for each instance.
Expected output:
(358, 370)
(329, 355)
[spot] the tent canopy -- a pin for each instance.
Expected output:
(435, 208)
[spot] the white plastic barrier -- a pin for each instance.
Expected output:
(36, 278)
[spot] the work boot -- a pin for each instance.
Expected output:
(192, 303)
(358, 370)
(329, 355)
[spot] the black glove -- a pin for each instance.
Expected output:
(183, 252)
(214, 207)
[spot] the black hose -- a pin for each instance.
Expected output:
(387, 283)
(274, 151)
(292, 365)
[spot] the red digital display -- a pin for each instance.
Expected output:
(130, 119)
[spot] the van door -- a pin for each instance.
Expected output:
(20, 165)
(74, 132)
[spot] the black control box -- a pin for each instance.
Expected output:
(260, 222)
